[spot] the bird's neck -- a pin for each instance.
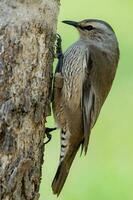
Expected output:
(105, 45)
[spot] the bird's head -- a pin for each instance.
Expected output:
(93, 29)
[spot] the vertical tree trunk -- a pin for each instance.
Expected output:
(27, 35)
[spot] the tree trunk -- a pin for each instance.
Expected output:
(27, 35)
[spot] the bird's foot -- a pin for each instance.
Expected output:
(59, 53)
(58, 46)
(47, 132)
(56, 51)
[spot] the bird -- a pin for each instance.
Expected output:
(82, 81)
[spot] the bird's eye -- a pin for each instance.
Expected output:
(89, 28)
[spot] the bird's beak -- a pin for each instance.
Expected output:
(72, 23)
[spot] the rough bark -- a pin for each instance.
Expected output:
(27, 35)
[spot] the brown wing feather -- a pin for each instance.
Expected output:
(87, 104)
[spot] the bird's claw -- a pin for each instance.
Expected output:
(56, 51)
(47, 132)
(58, 46)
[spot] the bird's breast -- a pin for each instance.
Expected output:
(73, 74)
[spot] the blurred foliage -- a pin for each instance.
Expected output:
(106, 173)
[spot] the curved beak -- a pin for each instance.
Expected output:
(72, 23)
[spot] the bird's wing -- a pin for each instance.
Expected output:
(88, 99)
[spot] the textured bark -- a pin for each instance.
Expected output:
(27, 35)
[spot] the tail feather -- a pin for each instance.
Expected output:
(63, 170)
(59, 179)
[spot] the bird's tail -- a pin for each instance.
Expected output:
(63, 170)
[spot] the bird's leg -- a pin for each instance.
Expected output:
(58, 46)
(59, 54)
(58, 78)
(47, 132)
(58, 82)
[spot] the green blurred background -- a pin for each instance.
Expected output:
(106, 173)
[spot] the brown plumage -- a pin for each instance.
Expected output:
(80, 89)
